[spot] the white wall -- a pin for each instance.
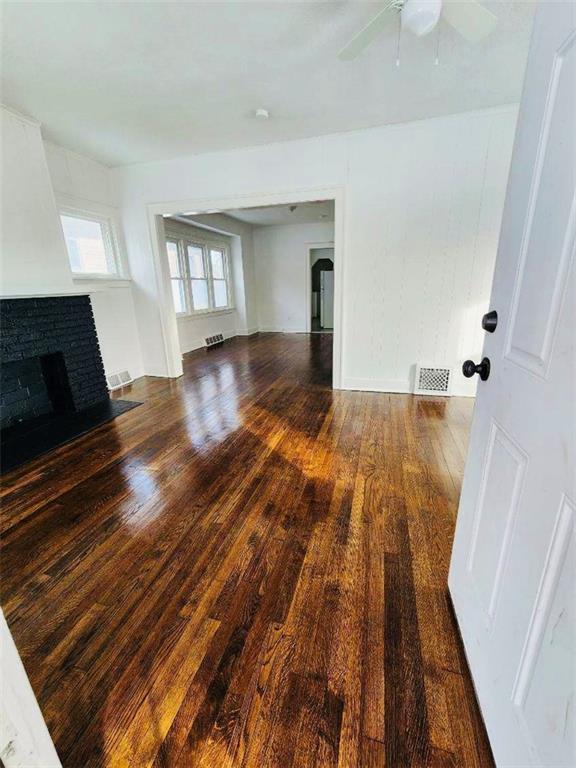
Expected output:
(34, 258)
(81, 182)
(422, 209)
(35, 176)
(282, 264)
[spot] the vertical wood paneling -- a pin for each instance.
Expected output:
(422, 243)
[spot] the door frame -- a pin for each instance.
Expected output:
(24, 736)
(309, 248)
(198, 206)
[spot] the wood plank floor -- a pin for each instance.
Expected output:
(247, 570)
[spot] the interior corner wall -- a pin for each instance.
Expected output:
(84, 182)
(281, 262)
(422, 210)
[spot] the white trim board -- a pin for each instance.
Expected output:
(198, 343)
(394, 386)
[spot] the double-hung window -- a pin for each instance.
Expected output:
(199, 275)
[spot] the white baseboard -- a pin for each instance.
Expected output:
(199, 343)
(280, 329)
(456, 393)
(396, 386)
(246, 331)
(399, 386)
(192, 346)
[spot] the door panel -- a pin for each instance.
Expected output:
(499, 495)
(550, 222)
(548, 651)
(512, 568)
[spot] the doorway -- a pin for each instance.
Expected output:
(321, 266)
(157, 212)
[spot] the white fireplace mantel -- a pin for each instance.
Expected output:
(27, 294)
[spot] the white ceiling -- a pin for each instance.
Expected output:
(134, 81)
(304, 213)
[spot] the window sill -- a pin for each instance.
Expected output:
(206, 313)
(82, 278)
(102, 282)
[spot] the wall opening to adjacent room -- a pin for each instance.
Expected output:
(237, 270)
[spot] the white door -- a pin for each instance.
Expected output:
(513, 569)
(326, 299)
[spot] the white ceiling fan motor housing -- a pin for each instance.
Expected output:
(421, 16)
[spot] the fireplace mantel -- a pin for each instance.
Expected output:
(51, 294)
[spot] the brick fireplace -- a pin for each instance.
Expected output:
(52, 381)
(48, 349)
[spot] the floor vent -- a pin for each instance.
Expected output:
(432, 381)
(211, 341)
(118, 380)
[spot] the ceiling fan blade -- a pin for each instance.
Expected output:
(469, 18)
(370, 32)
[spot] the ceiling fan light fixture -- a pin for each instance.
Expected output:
(421, 16)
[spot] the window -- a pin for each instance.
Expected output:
(176, 277)
(91, 245)
(220, 286)
(200, 277)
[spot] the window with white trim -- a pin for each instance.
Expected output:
(91, 244)
(199, 276)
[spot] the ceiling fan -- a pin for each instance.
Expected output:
(468, 17)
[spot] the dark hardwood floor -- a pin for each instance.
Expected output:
(315, 326)
(247, 570)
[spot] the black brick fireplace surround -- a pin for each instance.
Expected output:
(31, 328)
(52, 382)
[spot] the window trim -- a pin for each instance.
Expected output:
(225, 251)
(107, 219)
(180, 256)
(183, 241)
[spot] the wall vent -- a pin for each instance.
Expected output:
(118, 380)
(211, 341)
(430, 380)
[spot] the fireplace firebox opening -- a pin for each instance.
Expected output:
(57, 382)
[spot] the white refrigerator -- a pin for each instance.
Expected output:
(326, 299)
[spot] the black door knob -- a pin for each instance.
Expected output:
(490, 321)
(482, 369)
